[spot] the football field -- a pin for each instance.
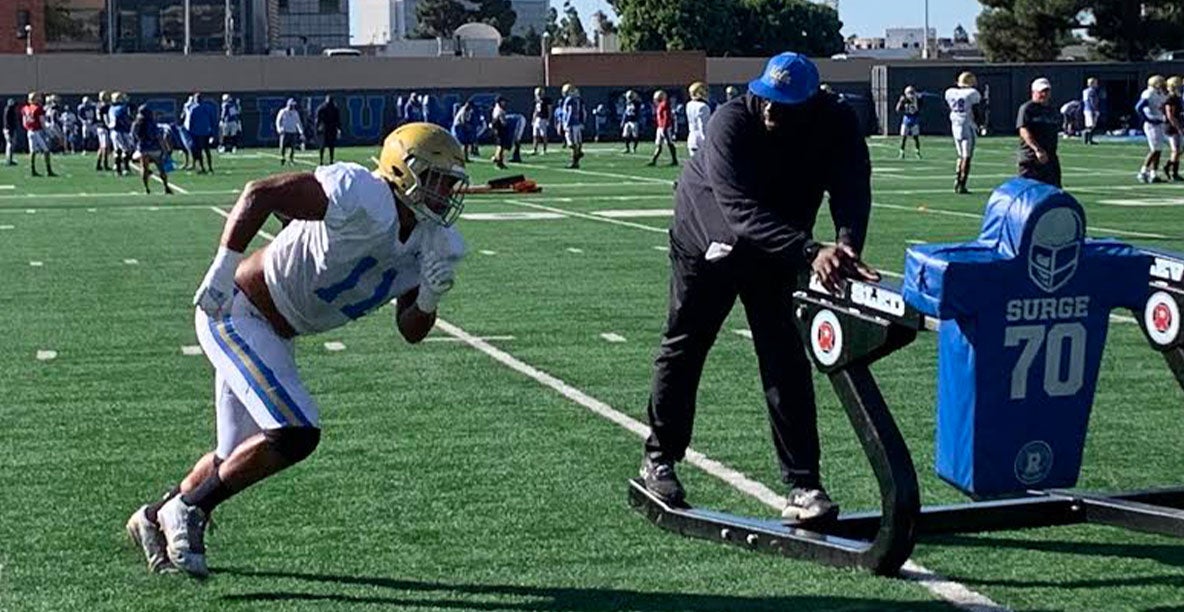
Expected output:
(485, 469)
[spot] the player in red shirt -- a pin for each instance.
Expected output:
(665, 133)
(33, 118)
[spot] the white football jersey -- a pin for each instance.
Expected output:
(1155, 103)
(698, 113)
(324, 274)
(962, 101)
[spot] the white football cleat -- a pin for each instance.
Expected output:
(184, 528)
(148, 536)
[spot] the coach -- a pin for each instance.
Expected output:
(745, 209)
(1039, 125)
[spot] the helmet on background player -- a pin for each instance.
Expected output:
(538, 92)
(632, 95)
(104, 96)
(1156, 82)
(1173, 84)
(910, 92)
(1091, 82)
(34, 97)
(731, 92)
(659, 95)
(698, 91)
(426, 166)
(567, 89)
(967, 79)
(118, 97)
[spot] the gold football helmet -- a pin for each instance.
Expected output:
(732, 91)
(698, 91)
(567, 89)
(1156, 82)
(1174, 83)
(967, 79)
(426, 166)
(34, 97)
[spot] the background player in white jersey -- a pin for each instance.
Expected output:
(698, 113)
(965, 112)
(352, 241)
(1150, 108)
(909, 107)
(1091, 109)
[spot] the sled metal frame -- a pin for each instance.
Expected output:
(882, 541)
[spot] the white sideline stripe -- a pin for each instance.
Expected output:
(334, 346)
(112, 195)
(747, 333)
(952, 592)
(511, 216)
(949, 591)
(581, 215)
(611, 337)
(190, 350)
(1144, 203)
(574, 250)
(46, 355)
(638, 213)
(454, 339)
(487, 252)
(968, 215)
(131, 262)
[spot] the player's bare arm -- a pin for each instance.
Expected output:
(413, 323)
(296, 195)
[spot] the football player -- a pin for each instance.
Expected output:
(965, 114)
(231, 124)
(731, 93)
(33, 119)
(698, 113)
(664, 134)
(119, 122)
(1091, 109)
(86, 115)
(1150, 108)
(353, 240)
(540, 119)
(573, 123)
(631, 121)
(1173, 109)
(103, 160)
(909, 106)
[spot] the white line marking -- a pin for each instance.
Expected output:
(46, 355)
(453, 339)
(91, 210)
(298, 160)
(1144, 203)
(587, 216)
(512, 216)
(747, 333)
(131, 262)
(644, 179)
(662, 248)
(31, 210)
(1123, 319)
(639, 213)
(949, 591)
(7, 187)
(191, 350)
(334, 346)
(611, 337)
(36, 264)
(487, 252)
(7, 227)
(952, 592)
(574, 250)
(914, 241)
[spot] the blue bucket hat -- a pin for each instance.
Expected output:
(789, 78)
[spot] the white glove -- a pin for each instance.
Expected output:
(436, 277)
(217, 288)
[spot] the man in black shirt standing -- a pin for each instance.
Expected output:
(1039, 125)
(745, 209)
(12, 122)
(328, 128)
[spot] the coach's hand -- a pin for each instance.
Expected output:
(214, 294)
(833, 263)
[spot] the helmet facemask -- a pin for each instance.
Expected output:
(435, 194)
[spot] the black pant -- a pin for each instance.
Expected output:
(702, 294)
(1045, 173)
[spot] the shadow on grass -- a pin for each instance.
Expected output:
(477, 597)
(1165, 554)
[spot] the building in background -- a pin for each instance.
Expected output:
(15, 15)
(76, 26)
(306, 27)
(403, 20)
(907, 43)
(158, 26)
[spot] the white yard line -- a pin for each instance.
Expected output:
(572, 213)
(642, 179)
(611, 337)
(191, 350)
(455, 339)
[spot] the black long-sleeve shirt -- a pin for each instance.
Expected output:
(760, 191)
(328, 118)
(12, 117)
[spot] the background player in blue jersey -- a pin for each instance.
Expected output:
(909, 106)
(574, 116)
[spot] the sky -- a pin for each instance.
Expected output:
(867, 17)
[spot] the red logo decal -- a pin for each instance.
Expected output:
(1161, 317)
(826, 337)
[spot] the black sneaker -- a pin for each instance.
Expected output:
(809, 505)
(660, 479)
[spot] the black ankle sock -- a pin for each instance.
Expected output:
(207, 495)
(154, 507)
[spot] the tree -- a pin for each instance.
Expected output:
(530, 43)
(571, 29)
(602, 24)
(497, 13)
(675, 25)
(440, 18)
(773, 26)
(1134, 31)
(1027, 30)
